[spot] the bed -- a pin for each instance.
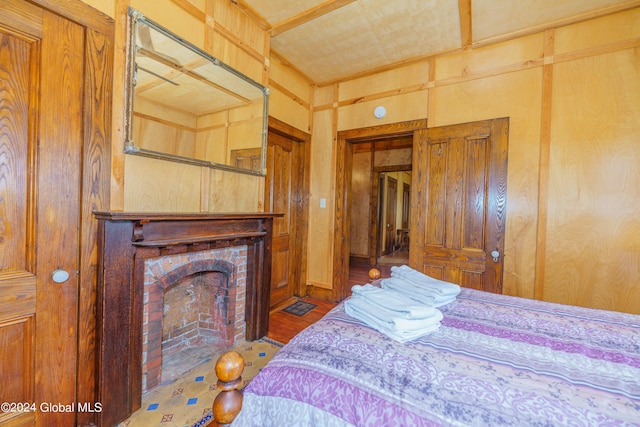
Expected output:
(496, 360)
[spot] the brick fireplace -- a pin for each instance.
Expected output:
(150, 260)
(194, 305)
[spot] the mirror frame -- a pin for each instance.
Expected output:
(135, 17)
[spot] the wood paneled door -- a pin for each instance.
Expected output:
(457, 227)
(55, 79)
(286, 192)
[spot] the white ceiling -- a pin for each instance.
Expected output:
(332, 40)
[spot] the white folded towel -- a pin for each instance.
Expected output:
(421, 294)
(439, 286)
(399, 304)
(387, 322)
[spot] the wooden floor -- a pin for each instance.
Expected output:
(283, 326)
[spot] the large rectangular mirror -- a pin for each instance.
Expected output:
(185, 105)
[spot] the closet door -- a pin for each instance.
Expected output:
(46, 138)
(280, 195)
(286, 192)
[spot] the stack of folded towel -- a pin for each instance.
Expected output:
(420, 287)
(392, 313)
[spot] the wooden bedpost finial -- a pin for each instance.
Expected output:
(228, 402)
(374, 274)
(229, 366)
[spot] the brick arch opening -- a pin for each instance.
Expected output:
(193, 307)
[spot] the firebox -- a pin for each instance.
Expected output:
(193, 307)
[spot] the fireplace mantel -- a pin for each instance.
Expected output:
(125, 241)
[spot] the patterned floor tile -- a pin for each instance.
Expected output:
(185, 401)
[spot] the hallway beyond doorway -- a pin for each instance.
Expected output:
(399, 257)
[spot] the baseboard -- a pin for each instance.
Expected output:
(320, 293)
(359, 259)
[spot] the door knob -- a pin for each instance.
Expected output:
(495, 254)
(60, 276)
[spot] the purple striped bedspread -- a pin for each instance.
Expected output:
(495, 361)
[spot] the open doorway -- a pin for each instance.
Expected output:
(392, 217)
(380, 178)
(347, 143)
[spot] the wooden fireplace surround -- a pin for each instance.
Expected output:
(125, 241)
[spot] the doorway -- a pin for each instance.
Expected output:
(392, 216)
(349, 146)
(458, 201)
(380, 170)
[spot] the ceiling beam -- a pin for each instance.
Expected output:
(466, 26)
(308, 15)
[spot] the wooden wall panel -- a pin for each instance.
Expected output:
(493, 59)
(286, 76)
(323, 97)
(400, 108)
(491, 21)
(164, 113)
(290, 96)
(171, 190)
(285, 108)
(212, 152)
(238, 24)
(412, 77)
(402, 91)
(240, 135)
(164, 137)
(322, 186)
(237, 58)
(174, 18)
(360, 204)
(400, 156)
(590, 35)
(227, 186)
(594, 183)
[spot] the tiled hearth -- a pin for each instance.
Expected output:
(194, 305)
(189, 398)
